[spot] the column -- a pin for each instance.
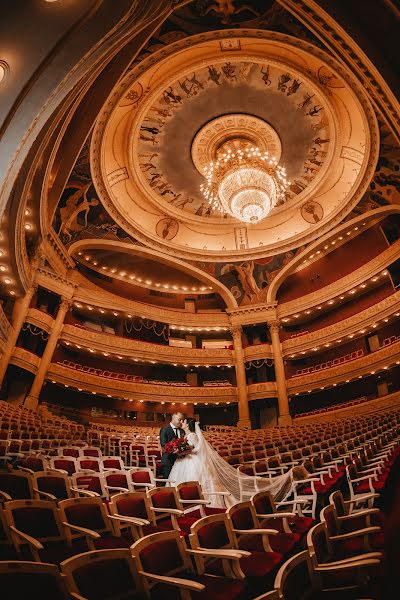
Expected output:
(243, 403)
(32, 400)
(283, 402)
(21, 308)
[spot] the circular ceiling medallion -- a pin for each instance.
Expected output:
(176, 106)
(217, 132)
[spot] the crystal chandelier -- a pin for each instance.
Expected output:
(244, 181)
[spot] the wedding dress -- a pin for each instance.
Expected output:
(214, 474)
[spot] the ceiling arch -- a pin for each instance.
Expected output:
(181, 265)
(373, 216)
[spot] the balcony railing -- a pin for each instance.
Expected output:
(125, 385)
(105, 342)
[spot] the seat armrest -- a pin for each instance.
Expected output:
(362, 563)
(216, 493)
(46, 495)
(87, 493)
(356, 533)
(256, 531)
(132, 520)
(195, 502)
(118, 489)
(282, 515)
(365, 512)
(4, 496)
(177, 581)
(220, 553)
(26, 538)
(171, 511)
(88, 532)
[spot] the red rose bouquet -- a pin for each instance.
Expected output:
(178, 446)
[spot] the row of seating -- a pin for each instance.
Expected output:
(340, 360)
(336, 406)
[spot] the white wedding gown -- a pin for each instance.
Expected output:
(214, 474)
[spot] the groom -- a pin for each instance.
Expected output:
(168, 433)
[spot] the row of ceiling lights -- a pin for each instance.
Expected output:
(6, 279)
(327, 245)
(332, 301)
(141, 401)
(129, 316)
(141, 360)
(323, 387)
(135, 278)
(350, 336)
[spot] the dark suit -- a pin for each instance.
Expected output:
(167, 460)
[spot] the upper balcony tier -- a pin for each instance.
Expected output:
(130, 348)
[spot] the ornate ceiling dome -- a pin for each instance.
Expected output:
(175, 109)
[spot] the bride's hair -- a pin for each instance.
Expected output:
(192, 424)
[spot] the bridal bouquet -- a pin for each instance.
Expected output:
(177, 446)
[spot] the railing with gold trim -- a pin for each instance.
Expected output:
(367, 365)
(105, 342)
(25, 359)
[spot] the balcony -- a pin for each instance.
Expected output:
(342, 285)
(257, 352)
(105, 342)
(25, 359)
(40, 319)
(120, 384)
(358, 367)
(349, 326)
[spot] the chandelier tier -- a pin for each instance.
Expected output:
(244, 182)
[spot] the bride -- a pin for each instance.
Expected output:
(205, 465)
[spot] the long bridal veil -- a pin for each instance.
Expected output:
(239, 486)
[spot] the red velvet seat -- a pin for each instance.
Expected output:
(243, 517)
(163, 500)
(162, 554)
(39, 519)
(17, 485)
(215, 532)
(36, 581)
(83, 515)
(103, 574)
(265, 505)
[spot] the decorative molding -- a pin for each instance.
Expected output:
(319, 22)
(367, 365)
(25, 359)
(266, 389)
(252, 314)
(342, 285)
(56, 283)
(104, 342)
(272, 37)
(351, 325)
(107, 300)
(40, 319)
(139, 391)
(257, 352)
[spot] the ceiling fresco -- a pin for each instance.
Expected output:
(275, 96)
(165, 110)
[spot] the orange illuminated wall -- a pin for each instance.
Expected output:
(335, 265)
